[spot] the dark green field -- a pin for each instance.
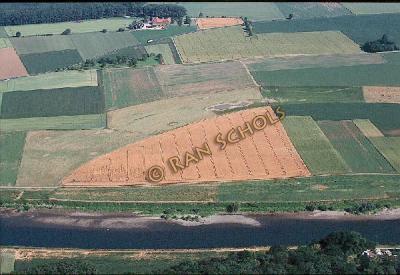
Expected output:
(11, 148)
(37, 63)
(313, 94)
(357, 151)
(131, 52)
(386, 74)
(383, 115)
(53, 102)
(360, 28)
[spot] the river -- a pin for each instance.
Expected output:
(124, 231)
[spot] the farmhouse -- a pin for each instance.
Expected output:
(155, 21)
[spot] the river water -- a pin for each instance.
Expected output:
(159, 234)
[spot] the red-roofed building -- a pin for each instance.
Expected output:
(155, 21)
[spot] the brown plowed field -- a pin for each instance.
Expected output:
(266, 154)
(10, 64)
(208, 23)
(381, 94)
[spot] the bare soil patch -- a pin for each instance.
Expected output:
(208, 23)
(10, 64)
(381, 94)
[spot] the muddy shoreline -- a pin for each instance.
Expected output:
(68, 218)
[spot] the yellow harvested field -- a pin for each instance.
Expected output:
(233, 43)
(266, 153)
(209, 23)
(381, 94)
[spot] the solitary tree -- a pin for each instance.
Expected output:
(66, 32)
(18, 34)
(201, 15)
(120, 30)
(104, 30)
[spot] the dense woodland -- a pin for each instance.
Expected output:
(35, 13)
(337, 253)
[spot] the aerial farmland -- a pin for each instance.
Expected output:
(197, 118)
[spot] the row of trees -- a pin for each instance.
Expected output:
(338, 253)
(35, 13)
(381, 45)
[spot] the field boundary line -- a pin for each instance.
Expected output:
(251, 76)
(119, 201)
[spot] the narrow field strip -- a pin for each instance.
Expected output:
(390, 149)
(313, 146)
(51, 80)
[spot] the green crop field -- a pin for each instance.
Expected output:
(52, 102)
(253, 11)
(144, 35)
(7, 260)
(367, 128)
(356, 150)
(132, 51)
(314, 61)
(111, 24)
(371, 8)
(163, 49)
(378, 113)
(390, 149)
(66, 151)
(37, 63)
(310, 10)
(42, 44)
(360, 28)
(93, 45)
(385, 74)
(11, 148)
(313, 146)
(313, 94)
(51, 80)
(232, 43)
(5, 43)
(54, 123)
(126, 87)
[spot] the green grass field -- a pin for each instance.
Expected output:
(232, 43)
(253, 11)
(11, 148)
(313, 189)
(127, 87)
(184, 192)
(313, 146)
(163, 49)
(381, 115)
(313, 94)
(7, 260)
(144, 35)
(54, 123)
(53, 80)
(361, 28)
(37, 63)
(111, 24)
(310, 10)
(42, 44)
(356, 150)
(66, 151)
(390, 149)
(357, 75)
(93, 45)
(52, 102)
(132, 51)
(5, 43)
(371, 8)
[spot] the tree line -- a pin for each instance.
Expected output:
(36, 13)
